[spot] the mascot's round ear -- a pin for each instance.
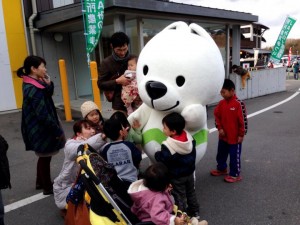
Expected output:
(201, 32)
(178, 26)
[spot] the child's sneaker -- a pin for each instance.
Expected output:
(218, 172)
(230, 179)
(195, 221)
(196, 215)
(203, 222)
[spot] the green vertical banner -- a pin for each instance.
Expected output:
(279, 46)
(93, 14)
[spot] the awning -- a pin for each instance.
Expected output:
(260, 51)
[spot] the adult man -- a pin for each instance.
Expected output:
(111, 73)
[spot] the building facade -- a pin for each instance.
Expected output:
(13, 50)
(55, 31)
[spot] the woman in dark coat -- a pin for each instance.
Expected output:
(40, 127)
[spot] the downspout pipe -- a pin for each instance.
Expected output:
(31, 27)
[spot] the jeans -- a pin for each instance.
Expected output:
(234, 152)
(185, 194)
(296, 76)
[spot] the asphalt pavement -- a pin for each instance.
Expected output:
(269, 193)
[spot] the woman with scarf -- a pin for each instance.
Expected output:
(111, 73)
(41, 128)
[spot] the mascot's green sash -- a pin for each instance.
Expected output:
(157, 135)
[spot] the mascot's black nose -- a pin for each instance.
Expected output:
(155, 89)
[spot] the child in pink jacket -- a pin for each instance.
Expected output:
(152, 200)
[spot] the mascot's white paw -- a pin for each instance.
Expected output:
(179, 70)
(195, 116)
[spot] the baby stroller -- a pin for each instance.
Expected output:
(108, 200)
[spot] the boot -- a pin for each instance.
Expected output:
(45, 175)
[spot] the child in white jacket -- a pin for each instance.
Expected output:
(83, 134)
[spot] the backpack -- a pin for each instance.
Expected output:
(4, 165)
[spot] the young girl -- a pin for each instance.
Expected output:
(152, 200)
(41, 128)
(91, 112)
(83, 133)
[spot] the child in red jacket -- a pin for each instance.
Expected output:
(231, 122)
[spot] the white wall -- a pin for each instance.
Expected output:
(7, 95)
(262, 82)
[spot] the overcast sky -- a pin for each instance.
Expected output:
(271, 13)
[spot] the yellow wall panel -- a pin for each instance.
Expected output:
(16, 40)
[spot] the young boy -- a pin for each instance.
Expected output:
(130, 94)
(178, 153)
(124, 155)
(231, 122)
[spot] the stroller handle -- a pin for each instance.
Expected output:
(80, 150)
(92, 176)
(83, 148)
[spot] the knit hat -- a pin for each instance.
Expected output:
(88, 107)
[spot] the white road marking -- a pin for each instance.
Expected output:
(40, 196)
(23, 202)
(275, 105)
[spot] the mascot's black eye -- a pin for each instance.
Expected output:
(180, 81)
(145, 70)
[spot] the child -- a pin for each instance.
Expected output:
(152, 198)
(124, 155)
(83, 133)
(91, 112)
(242, 72)
(231, 122)
(178, 153)
(130, 95)
(134, 132)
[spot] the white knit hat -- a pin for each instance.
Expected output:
(88, 107)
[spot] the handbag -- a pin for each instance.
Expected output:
(77, 210)
(77, 214)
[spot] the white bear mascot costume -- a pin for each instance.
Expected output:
(179, 70)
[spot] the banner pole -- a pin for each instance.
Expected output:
(85, 32)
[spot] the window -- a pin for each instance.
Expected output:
(245, 30)
(59, 3)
